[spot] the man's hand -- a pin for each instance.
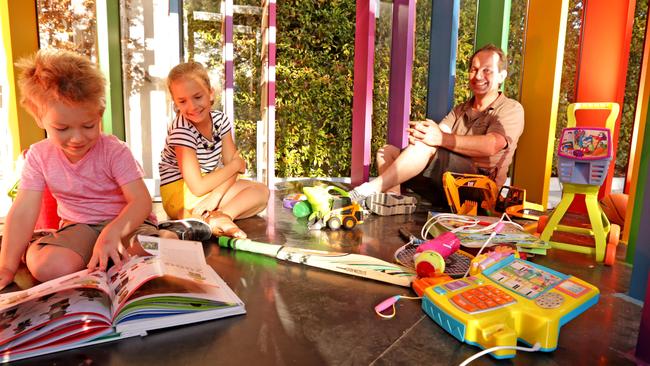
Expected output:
(6, 277)
(106, 246)
(427, 132)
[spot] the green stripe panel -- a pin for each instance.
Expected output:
(492, 23)
(110, 62)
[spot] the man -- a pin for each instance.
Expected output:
(479, 136)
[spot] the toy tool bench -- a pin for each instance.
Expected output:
(513, 300)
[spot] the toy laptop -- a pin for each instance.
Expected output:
(513, 300)
(584, 155)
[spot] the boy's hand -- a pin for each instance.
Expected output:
(6, 277)
(106, 246)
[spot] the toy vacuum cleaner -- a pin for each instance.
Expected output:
(584, 156)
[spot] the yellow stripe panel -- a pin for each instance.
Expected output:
(540, 87)
(20, 39)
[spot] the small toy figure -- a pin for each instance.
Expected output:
(332, 210)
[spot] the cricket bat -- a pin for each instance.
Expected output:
(352, 264)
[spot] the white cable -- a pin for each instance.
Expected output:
(443, 219)
(534, 348)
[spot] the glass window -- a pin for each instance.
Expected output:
(69, 25)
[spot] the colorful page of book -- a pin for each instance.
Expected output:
(173, 288)
(176, 284)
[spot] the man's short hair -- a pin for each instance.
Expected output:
(503, 59)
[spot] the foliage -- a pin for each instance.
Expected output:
(314, 73)
(64, 25)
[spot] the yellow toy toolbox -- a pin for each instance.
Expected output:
(512, 301)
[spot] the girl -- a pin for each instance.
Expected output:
(199, 164)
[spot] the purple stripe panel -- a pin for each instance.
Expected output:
(364, 59)
(401, 67)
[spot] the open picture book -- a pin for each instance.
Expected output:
(172, 287)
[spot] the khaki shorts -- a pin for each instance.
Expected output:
(81, 238)
(176, 196)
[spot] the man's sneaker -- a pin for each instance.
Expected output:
(188, 229)
(358, 198)
(386, 204)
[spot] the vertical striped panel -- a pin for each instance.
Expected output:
(638, 208)
(19, 39)
(492, 23)
(110, 62)
(268, 89)
(401, 67)
(364, 58)
(602, 63)
(541, 75)
(638, 250)
(442, 57)
(228, 61)
(638, 155)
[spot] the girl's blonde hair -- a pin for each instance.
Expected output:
(190, 69)
(62, 76)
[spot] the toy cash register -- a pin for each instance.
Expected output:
(513, 300)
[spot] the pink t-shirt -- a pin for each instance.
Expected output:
(87, 191)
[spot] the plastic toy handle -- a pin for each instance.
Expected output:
(504, 336)
(386, 303)
(614, 108)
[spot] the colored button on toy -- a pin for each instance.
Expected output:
(464, 304)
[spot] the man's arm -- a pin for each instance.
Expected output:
(429, 133)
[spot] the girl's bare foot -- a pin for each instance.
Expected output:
(223, 225)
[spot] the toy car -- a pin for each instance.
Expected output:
(344, 213)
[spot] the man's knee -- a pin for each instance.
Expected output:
(387, 154)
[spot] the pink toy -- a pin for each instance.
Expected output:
(445, 244)
(430, 256)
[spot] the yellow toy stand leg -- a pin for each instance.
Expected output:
(598, 222)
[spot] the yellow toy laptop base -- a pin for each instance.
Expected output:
(513, 300)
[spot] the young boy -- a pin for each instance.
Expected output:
(101, 196)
